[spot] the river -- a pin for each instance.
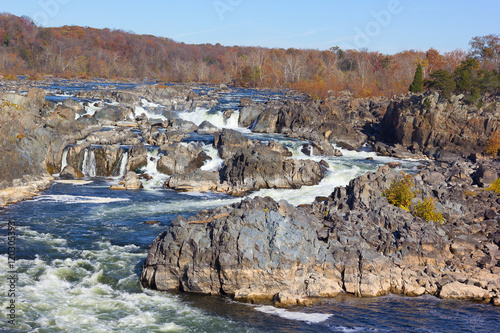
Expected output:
(80, 248)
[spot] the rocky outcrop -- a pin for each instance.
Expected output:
(130, 181)
(197, 181)
(354, 242)
(260, 167)
(431, 124)
(121, 135)
(110, 115)
(181, 159)
(33, 134)
(206, 128)
(249, 112)
(228, 142)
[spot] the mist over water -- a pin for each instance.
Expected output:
(80, 249)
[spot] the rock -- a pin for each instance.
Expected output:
(320, 148)
(193, 96)
(394, 165)
(130, 181)
(138, 157)
(126, 97)
(485, 175)
(108, 159)
(353, 241)
(197, 181)
(152, 222)
(264, 269)
(71, 173)
(181, 159)
(180, 125)
(245, 101)
(260, 167)
(457, 290)
(122, 136)
(206, 128)
(74, 105)
(111, 114)
(228, 142)
(249, 114)
(433, 123)
(33, 136)
(279, 148)
(267, 121)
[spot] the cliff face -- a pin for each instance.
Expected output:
(353, 242)
(33, 134)
(429, 123)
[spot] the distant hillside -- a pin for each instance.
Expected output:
(73, 51)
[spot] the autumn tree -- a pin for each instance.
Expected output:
(417, 86)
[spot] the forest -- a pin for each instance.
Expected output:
(86, 53)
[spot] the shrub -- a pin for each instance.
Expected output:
(494, 186)
(427, 210)
(400, 193)
(493, 144)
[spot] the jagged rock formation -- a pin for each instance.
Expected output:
(33, 134)
(353, 242)
(431, 124)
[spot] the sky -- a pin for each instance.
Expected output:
(387, 26)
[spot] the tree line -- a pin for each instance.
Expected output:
(84, 52)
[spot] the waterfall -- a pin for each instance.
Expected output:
(123, 164)
(157, 178)
(89, 167)
(64, 160)
(216, 118)
(121, 168)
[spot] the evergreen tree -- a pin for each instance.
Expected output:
(444, 82)
(417, 86)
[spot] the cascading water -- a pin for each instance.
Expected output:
(123, 164)
(64, 160)
(216, 118)
(121, 168)
(89, 166)
(157, 178)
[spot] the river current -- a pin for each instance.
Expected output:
(80, 248)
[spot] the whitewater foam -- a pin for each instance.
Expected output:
(292, 315)
(76, 199)
(216, 118)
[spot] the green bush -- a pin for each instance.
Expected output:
(427, 210)
(400, 193)
(494, 186)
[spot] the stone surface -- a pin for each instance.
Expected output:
(206, 128)
(181, 159)
(353, 242)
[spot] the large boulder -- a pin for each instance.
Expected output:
(196, 181)
(181, 159)
(206, 128)
(74, 105)
(249, 114)
(228, 142)
(138, 157)
(180, 125)
(262, 167)
(251, 251)
(112, 114)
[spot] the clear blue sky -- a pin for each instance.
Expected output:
(388, 26)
